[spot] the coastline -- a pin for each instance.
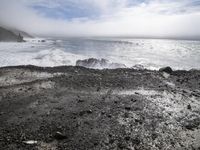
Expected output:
(71, 107)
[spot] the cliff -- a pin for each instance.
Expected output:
(7, 35)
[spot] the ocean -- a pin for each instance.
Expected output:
(150, 53)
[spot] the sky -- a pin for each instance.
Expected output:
(136, 18)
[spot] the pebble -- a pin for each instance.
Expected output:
(189, 107)
(60, 136)
(128, 108)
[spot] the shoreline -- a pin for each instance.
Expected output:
(71, 107)
(28, 66)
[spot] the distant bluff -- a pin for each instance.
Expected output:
(11, 36)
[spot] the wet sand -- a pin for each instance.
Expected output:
(75, 108)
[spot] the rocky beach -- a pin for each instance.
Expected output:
(75, 108)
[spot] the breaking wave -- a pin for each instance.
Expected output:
(56, 57)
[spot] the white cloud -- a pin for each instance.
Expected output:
(115, 17)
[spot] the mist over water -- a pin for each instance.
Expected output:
(151, 53)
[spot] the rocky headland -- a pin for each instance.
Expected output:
(9, 35)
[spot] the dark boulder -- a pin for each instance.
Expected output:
(98, 64)
(59, 136)
(166, 69)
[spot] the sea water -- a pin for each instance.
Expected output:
(150, 53)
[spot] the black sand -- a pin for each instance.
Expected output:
(75, 108)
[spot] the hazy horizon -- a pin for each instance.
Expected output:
(106, 18)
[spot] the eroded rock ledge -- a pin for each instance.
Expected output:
(79, 108)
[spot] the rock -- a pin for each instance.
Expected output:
(189, 107)
(98, 64)
(115, 102)
(195, 94)
(20, 38)
(138, 121)
(121, 145)
(192, 124)
(8, 35)
(109, 116)
(138, 67)
(128, 108)
(133, 100)
(89, 111)
(80, 100)
(103, 112)
(154, 136)
(127, 138)
(116, 65)
(59, 136)
(91, 62)
(126, 115)
(85, 112)
(136, 141)
(98, 89)
(166, 69)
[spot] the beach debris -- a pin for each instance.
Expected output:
(166, 69)
(30, 142)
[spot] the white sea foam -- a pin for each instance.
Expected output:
(34, 52)
(52, 57)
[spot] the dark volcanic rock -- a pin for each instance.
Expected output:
(6, 35)
(98, 63)
(9, 36)
(24, 34)
(189, 106)
(59, 136)
(166, 69)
